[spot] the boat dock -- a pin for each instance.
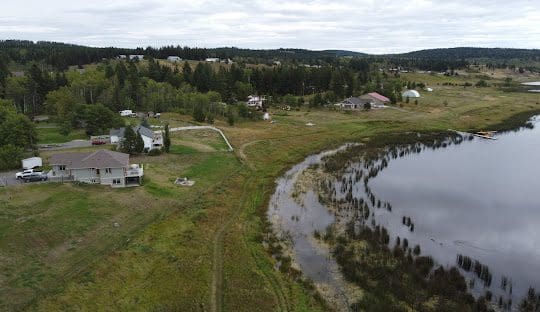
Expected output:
(488, 135)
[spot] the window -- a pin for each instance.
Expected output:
(97, 171)
(107, 170)
(116, 181)
(62, 167)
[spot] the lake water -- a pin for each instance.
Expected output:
(297, 223)
(480, 199)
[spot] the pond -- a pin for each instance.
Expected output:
(479, 199)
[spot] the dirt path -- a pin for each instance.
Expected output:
(242, 155)
(216, 299)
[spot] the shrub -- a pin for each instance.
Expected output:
(154, 152)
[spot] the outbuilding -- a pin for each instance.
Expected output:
(410, 94)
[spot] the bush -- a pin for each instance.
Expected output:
(154, 152)
(10, 156)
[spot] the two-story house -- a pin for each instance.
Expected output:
(99, 167)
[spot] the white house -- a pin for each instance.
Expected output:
(139, 57)
(122, 56)
(255, 101)
(100, 167)
(152, 140)
(212, 59)
(174, 59)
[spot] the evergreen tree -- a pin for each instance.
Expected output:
(129, 142)
(139, 144)
(166, 139)
(198, 113)
(230, 116)
(187, 73)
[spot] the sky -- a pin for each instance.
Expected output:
(371, 26)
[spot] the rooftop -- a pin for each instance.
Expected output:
(97, 159)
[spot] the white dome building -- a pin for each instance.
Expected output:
(410, 94)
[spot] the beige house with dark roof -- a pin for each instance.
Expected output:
(100, 167)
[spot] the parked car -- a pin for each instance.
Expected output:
(25, 173)
(36, 176)
(98, 142)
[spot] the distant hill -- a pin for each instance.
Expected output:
(469, 53)
(344, 53)
(62, 55)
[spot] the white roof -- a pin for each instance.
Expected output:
(410, 94)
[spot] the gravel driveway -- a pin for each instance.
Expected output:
(8, 178)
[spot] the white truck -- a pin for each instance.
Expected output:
(30, 165)
(27, 173)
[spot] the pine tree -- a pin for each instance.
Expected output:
(139, 144)
(129, 141)
(166, 139)
(198, 113)
(230, 116)
(187, 73)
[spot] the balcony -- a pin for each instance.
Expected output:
(134, 170)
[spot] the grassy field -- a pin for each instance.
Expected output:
(50, 134)
(163, 255)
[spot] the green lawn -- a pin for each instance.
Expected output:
(50, 134)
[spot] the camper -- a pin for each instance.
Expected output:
(32, 162)
(126, 113)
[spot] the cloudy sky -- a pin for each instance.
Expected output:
(372, 26)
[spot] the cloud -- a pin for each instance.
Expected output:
(372, 26)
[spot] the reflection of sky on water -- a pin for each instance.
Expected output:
(480, 198)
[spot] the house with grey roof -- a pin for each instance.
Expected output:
(374, 99)
(100, 167)
(152, 140)
(351, 103)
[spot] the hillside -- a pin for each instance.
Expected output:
(62, 55)
(473, 53)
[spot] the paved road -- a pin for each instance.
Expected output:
(7, 178)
